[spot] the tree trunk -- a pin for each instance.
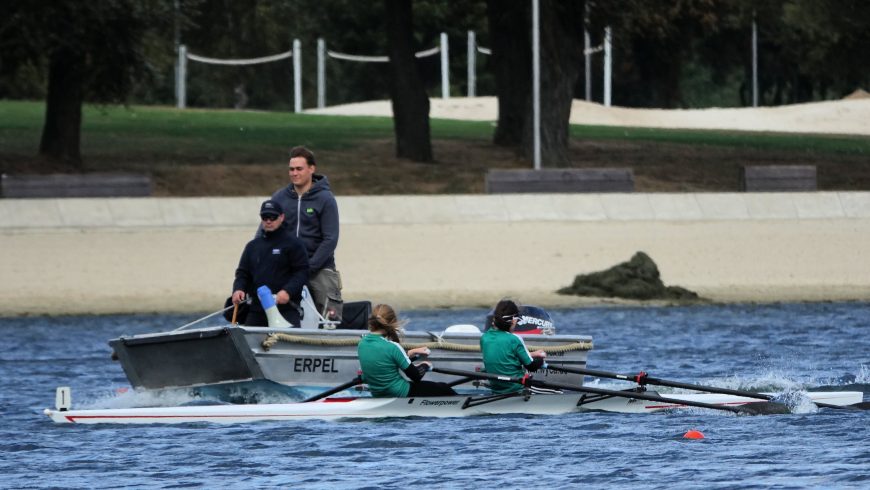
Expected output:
(509, 30)
(561, 37)
(61, 133)
(407, 93)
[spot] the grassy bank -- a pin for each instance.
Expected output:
(224, 152)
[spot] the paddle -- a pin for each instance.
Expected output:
(748, 409)
(332, 391)
(643, 378)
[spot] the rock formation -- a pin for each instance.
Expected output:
(636, 279)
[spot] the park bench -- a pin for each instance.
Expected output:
(564, 180)
(761, 178)
(75, 185)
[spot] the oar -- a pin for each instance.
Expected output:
(745, 409)
(332, 391)
(643, 378)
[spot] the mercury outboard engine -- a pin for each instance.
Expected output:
(533, 320)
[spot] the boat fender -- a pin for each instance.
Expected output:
(464, 328)
(273, 316)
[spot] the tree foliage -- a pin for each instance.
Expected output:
(90, 51)
(667, 53)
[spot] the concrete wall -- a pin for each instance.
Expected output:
(441, 209)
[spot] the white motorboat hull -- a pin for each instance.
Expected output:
(460, 406)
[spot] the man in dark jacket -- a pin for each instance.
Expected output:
(312, 216)
(274, 258)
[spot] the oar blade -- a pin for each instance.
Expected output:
(764, 408)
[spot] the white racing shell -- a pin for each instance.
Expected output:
(459, 406)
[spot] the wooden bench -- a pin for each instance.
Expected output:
(761, 178)
(75, 185)
(500, 181)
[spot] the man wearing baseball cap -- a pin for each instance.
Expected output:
(274, 258)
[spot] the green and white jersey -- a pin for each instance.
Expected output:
(382, 361)
(504, 353)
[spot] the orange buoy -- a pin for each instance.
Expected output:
(693, 434)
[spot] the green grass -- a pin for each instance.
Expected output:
(205, 136)
(813, 143)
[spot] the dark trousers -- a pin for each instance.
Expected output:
(430, 388)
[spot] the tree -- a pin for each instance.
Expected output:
(561, 59)
(94, 51)
(561, 54)
(407, 93)
(511, 53)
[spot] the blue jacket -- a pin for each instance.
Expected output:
(314, 219)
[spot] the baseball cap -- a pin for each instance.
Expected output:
(271, 208)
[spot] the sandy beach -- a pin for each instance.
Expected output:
(791, 248)
(846, 116)
(786, 250)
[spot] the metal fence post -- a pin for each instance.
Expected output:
(608, 63)
(472, 68)
(321, 73)
(181, 78)
(445, 68)
(297, 76)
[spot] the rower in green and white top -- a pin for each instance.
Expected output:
(384, 362)
(505, 352)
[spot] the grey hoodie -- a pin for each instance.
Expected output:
(314, 219)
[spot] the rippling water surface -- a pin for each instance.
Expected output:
(781, 347)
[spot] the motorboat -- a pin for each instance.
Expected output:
(235, 362)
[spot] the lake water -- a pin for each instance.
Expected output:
(759, 347)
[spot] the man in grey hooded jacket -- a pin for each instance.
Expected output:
(311, 213)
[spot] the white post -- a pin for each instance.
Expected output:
(321, 73)
(297, 76)
(754, 62)
(176, 25)
(608, 63)
(472, 54)
(445, 68)
(536, 82)
(587, 55)
(181, 78)
(588, 63)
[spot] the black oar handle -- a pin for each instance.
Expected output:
(529, 381)
(342, 387)
(642, 378)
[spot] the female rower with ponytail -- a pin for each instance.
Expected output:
(382, 360)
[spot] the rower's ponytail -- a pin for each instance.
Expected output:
(384, 318)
